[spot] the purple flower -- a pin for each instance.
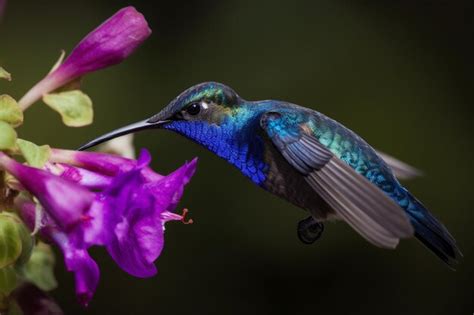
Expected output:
(77, 259)
(65, 201)
(137, 240)
(109, 44)
(125, 212)
(85, 178)
(102, 163)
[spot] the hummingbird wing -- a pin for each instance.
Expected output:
(365, 207)
(400, 169)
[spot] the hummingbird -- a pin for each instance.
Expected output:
(308, 159)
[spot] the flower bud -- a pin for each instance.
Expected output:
(109, 44)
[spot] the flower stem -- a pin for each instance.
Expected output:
(46, 85)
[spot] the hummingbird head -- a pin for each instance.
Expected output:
(205, 102)
(196, 110)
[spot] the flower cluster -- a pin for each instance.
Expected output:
(109, 201)
(76, 200)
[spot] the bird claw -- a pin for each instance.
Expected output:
(309, 230)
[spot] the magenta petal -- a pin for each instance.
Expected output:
(138, 229)
(63, 200)
(85, 178)
(150, 238)
(77, 260)
(86, 274)
(179, 179)
(101, 163)
(170, 188)
(144, 159)
(109, 44)
(136, 248)
(96, 229)
(138, 235)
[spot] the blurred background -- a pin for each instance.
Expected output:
(399, 73)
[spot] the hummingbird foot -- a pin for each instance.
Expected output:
(309, 230)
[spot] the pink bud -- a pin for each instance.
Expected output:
(109, 44)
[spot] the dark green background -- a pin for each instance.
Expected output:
(397, 72)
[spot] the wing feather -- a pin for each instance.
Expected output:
(365, 207)
(400, 169)
(361, 204)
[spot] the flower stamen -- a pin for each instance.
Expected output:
(183, 217)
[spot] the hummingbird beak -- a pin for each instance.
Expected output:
(141, 125)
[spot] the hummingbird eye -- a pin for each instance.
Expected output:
(193, 109)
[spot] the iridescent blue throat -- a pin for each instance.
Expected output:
(236, 139)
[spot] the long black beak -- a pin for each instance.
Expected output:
(141, 125)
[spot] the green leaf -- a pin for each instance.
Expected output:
(10, 112)
(10, 240)
(40, 269)
(74, 106)
(73, 85)
(27, 245)
(34, 155)
(5, 75)
(7, 280)
(7, 136)
(16, 242)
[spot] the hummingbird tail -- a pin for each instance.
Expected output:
(434, 235)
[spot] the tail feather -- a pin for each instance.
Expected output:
(434, 235)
